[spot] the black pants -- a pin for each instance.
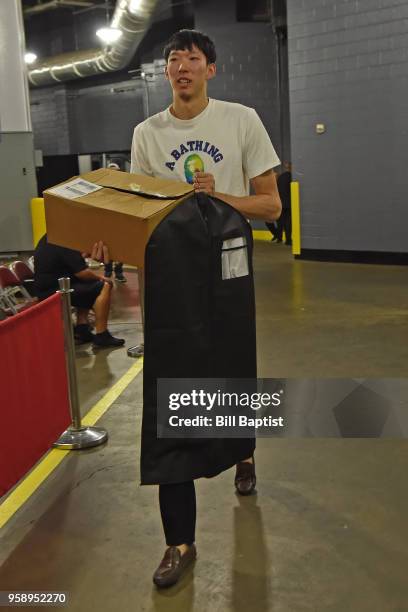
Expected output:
(283, 223)
(273, 228)
(116, 266)
(178, 512)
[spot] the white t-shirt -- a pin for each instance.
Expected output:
(226, 139)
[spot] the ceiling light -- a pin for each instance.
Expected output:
(30, 58)
(134, 6)
(109, 35)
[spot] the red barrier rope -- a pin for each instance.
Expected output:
(34, 406)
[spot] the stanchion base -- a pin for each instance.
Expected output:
(136, 351)
(86, 437)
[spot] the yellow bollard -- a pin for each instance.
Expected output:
(295, 205)
(38, 219)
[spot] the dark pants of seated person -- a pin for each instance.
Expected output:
(84, 293)
(178, 512)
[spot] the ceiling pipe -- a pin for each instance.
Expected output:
(132, 17)
(55, 4)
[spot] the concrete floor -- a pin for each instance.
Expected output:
(327, 530)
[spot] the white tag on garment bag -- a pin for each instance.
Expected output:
(234, 258)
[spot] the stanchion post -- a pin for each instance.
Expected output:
(65, 291)
(76, 436)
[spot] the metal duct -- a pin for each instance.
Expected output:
(55, 4)
(131, 17)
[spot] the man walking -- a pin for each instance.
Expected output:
(220, 148)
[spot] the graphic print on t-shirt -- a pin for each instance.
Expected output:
(194, 162)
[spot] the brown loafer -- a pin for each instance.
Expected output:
(245, 478)
(173, 565)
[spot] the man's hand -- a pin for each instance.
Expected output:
(204, 182)
(100, 252)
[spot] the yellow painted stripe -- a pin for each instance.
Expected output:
(97, 411)
(54, 457)
(30, 484)
(295, 206)
(262, 235)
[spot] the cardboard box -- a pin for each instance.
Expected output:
(119, 208)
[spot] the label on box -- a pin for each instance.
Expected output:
(74, 189)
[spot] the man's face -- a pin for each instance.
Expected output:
(188, 72)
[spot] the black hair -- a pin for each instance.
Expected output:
(185, 39)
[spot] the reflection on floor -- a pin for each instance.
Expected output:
(327, 529)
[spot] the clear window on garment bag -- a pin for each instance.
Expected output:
(234, 258)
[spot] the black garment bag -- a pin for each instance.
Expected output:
(199, 323)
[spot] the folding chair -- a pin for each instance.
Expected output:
(30, 263)
(13, 296)
(24, 274)
(22, 271)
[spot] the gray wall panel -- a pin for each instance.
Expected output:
(102, 118)
(348, 69)
(18, 186)
(49, 116)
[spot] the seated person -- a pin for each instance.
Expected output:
(52, 262)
